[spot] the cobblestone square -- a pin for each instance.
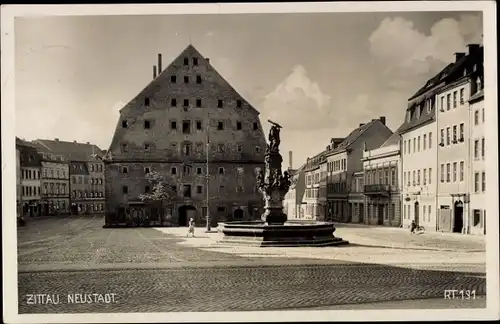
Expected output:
(160, 270)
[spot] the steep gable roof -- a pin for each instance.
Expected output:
(70, 150)
(394, 138)
(352, 137)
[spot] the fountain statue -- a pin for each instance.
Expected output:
(274, 229)
(273, 183)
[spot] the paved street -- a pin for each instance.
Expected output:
(159, 270)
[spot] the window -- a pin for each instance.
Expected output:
(173, 102)
(186, 169)
(448, 172)
(442, 103)
(424, 141)
(476, 149)
(125, 189)
(199, 170)
(186, 191)
(239, 148)
(198, 125)
(257, 149)
(239, 188)
(483, 181)
(186, 61)
(476, 182)
(429, 212)
(404, 177)
(393, 176)
(238, 103)
(186, 79)
(220, 148)
(221, 170)
(198, 79)
(255, 126)
(124, 148)
(454, 99)
(414, 144)
(430, 175)
(199, 189)
(448, 101)
(482, 147)
(186, 103)
(147, 189)
(220, 103)
(124, 124)
(240, 170)
(447, 136)
(147, 170)
(418, 144)
(482, 115)
(404, 148)
(442, 136)
(173, 170)
(198, 103)
(442, 172)
(220, 125)
(173, 79)
(386, 177)
(186, 126)
(195, 61)
(461, 170)
(430, 140)
(146, 101)
(221, 189)
(461, 138)
(454, 171)
(476, 117)
(238, 125)
(174, 189)
(147, 124)
(186, 149)
(462, 96)
(413, 177)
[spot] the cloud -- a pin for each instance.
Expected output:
(398, 43)
(298, 103)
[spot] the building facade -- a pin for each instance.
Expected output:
(357, 198)
(313, 204)
(96, 190)
(344, 159)
(186, 115)
(382, 183)
(477, 217)
(455, 141)
(79, 185)
(18, 182)
(31, 166)
(292, 204)
(55, 184)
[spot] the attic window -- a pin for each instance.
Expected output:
(238, 103)
(220, 103)
(146, 101)
(186, 61)
(173, 79)
(147, 124)
(195, 61)
(198, 79)
(255, 126)
(124, 123)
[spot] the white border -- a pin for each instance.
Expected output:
(9, 12)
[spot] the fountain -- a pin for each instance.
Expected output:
(274, 229)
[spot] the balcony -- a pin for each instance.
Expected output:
(377, 190)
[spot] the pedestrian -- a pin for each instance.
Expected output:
(191, 227)
(413, 227)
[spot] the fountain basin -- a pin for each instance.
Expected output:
(259, 233)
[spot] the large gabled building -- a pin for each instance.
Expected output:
(186, 115)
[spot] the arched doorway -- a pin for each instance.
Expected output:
(238, 214)
(458, 217)
(416, 212)
(185, 213)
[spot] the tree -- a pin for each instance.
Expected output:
(160, 190)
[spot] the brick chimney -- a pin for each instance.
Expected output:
(159, 63)
(382, 119)
(74, 141)
(362, 124)
(56, 139)
(207, 59)
(458, 56)
(88, 143)
(472, 48)
(290, 159)
(154, 72)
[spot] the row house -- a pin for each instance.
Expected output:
(55, 184)
(84, 176)
(382, 183)
(30, 179)
(292, 204)
(315, 187)
(436, 144)
(344, 159)
(357, 198)
(477, 216)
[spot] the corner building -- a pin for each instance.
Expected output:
(186, 115)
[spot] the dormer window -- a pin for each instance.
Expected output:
(146, 101)
(220, 103)
(408, 116)
(124, 123)
(238, 103)
(173, 79)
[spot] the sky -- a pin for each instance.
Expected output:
(319, 74)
